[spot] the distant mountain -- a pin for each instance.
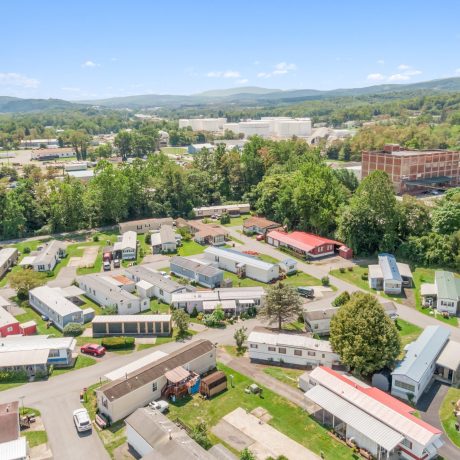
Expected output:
(237, 91)
(16, 104)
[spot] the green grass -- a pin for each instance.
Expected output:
(267, 258)
(233, 351)
(242, 282)
(190, 248)
(447, 416)
(9, 385)
(236, 240)
(302, 279)
(145, 346)
(407, 331)
(296, 326)
(287, 417)
(174, 150)
(35, 438)
(157, 306)
(81, 362)
(30, 314)
(234, 221)
(288, 376)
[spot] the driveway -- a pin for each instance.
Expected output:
(64, 278)
(429, 405)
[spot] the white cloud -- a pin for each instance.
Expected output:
(17, 79)
(89, 64)
(398, 77)
(263, 75)
(403, 67)
(224, 74)
(412, 73)
(381, 62)
(242, 81)
(114, 59)
(376, 77)
(282, 68)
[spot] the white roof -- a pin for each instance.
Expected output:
(6, 253)
(27, 260)
(167, 234)
(135, 365)
(144, 284)
(23, 358)
(290, 340)
(130, 318)
(239, 257)
(375, 271)
(12, 450)
(6, 318)
(225, 304)
(450, 356)
(54, 299)
(35, 342)
(129, 240)
(49, 252)
(248, 293)
(223, 206)
(428, 289)
(404, 423)
(364, 423)
(155, 239)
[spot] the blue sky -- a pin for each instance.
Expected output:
(91, 49)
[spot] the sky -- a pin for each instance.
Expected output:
(98, 49)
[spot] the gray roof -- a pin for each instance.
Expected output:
(422, 352)
(153, 277)
(168, 441)
(6, 254)
(167, 234)
(48, 253)
(316, 315)
(110, 290)
(196, 267)
(239, 257)
(145, 225)
(447, 285)
(389, 267)
(220, 452)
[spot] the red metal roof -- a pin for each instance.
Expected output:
(301, 240)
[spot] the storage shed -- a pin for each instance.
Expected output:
(213, 384)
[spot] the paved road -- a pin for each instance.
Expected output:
(59, 396)
(405, 312)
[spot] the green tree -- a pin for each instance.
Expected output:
(363, 335)
(341, 299)
(446, 217)
(25, 280)
(182, 321)
(124, 143)
(73, 329)
(413, 217)
(282, 304)
(240, 337)
(246, 454)
(14, 220)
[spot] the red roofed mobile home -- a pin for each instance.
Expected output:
(308, 244)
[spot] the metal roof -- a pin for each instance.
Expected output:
(23, 357)
(196, 267)
(290, 340)
(145, 224)
(129, 240)
(450, 356)
(36, 342)
(422, 352)
(167, 234)
(6, 318)
(389, 267)
(101, 319)
(13, 450)
(447, 285)
(239, 257)
(251, 293)
(54, 300)
(155, 278)
(105, 287)
(49, 252)
(301, 240)
(6, 254)
(361, 421)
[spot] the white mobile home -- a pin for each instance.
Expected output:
(444, 294)
(165, 240)
(204, 274)
(230, 209)
(389, 276)
(144, 225)
(126, 247)
(49, 256)
(8, 257)
(292, 350)
(242, 264)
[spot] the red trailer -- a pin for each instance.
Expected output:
(29, 328)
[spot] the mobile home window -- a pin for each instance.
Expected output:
(271, 349)
(311, 353)
(406, 386)
(154, 386)
(254, 345)
(282, 350)
(298, 352)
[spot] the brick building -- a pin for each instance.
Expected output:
(413, 171)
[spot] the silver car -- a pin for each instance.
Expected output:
(81, 420)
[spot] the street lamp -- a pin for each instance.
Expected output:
(231, 380)
(22, 403)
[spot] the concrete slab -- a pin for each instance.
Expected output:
(41, 452)
(89, 256)
(74, 262)
(232, 436)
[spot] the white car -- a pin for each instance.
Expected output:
(81, 420)
(161, 406)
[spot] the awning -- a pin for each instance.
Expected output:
(27, 260)
(361, 421)
(177, 375)
(210, 305)
(246, 302)
(450, 356)
(428, 289)
(429, 180)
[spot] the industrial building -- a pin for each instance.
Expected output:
(371, 419)
(242, 264)
(389, 276)
(203, 124)
(203, 274)
(231, 300)
(414, 171)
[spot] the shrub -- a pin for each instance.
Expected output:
(117, 343)
(364, 277)
(200, 317)
(225, 219)
(341, 299)
(350, 269)
(26, 250)
(325, 281)
(73, 329)
(96, 238)
(342, 270)
(199, 434)
(13, 376)
(194, 313)
(148, 238)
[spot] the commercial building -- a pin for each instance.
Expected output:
(308, 245)
(39, 143)
(123, 396)
(212, 234)
(131, 325)
(153, 436)
(413, 171)
(9, 325)
(51, 303)
(231, 300)
(370, 418)
(144, 225)
(389, 276)
(414, 373)
(8, 257)
(48, 257)
(203, 274)
(259, 225)
(242, 264)
(291, 350)
(203, 124)
(197, 148)
(443, 294)
(165, 240)
(150, 283)
(107, 294)
(126, 246)
(230, 209)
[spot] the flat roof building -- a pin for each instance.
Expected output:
(131, 325)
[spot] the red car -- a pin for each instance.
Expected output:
(93, 349)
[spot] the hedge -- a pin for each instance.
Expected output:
(117, 343)
(73, 329)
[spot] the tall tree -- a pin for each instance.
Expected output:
(363, 335)
(124, 142)
(282, 304)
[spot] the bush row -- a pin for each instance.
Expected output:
(117, 343)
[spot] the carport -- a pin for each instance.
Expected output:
(448, 363)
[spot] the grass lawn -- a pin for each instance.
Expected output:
(232, 350)
(157, 307)
(287, 417)
(294, 326)
(174, 150)
(244, 282)
(288, 376)
(234, 221)
(267, 258)
(9, 385)
(35, 438)
(190, 248)
(81, 362)
(407, 331)
(30, 314)
(302, 279)
(447, 417)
